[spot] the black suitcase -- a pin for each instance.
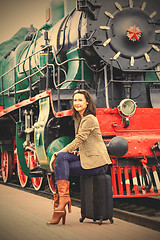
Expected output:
(96, 198)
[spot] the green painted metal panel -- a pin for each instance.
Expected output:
(7, 148)
(8, 49)
(8, 80)
(74, 69)
(23, 69)
(39, 132)
(7, 46)
(6, 145)
(57, 145)
(20, 151)
(44, 59)
(14, 57)
(150, 77)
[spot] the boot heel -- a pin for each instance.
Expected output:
(69, 206)
(57, 217)
(64, 219)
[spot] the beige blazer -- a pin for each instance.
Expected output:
(88, 138)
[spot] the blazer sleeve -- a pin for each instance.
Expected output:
(86, 127)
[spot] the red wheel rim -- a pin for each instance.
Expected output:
(6, 164)
(23, 179)
(51, 183)
(36, 181)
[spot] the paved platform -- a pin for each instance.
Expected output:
(23, 216)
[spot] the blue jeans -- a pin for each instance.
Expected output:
(69, 164)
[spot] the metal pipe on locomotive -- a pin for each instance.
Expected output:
(111, 49)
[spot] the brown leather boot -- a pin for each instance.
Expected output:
(64, 197)
(55, 205)
(57, 217)
(56, 200)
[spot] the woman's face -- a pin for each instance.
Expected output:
(80, 103)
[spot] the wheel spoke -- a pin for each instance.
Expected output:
(23, 179)
(37, 182)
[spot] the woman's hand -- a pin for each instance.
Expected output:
(75, 152)
(53, 161)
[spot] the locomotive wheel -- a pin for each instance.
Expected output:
(38, 183)
(51, 183)
(23, 179)
(6, 164)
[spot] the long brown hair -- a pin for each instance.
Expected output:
(91, 107)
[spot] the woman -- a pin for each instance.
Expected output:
(91, 159)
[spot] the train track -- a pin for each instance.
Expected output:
(141, 211)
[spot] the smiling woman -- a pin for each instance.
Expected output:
(83, 104)
(80, 103)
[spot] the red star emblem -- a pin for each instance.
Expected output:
(134, 33)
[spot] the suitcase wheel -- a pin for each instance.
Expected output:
(100, 221)
(111, 220)
(81, 219)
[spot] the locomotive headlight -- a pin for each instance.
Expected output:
(127, 108)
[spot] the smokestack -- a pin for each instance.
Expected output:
(60, 9)
(56, 10)
(69, 5)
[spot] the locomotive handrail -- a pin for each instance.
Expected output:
(129, 81)
(65, 81)
(40, 70)
(23, 90)
(25, 60)
(64, 62)
(60, 64)
(22, 80)
(74, 59)
(69, 60)
(29, 76)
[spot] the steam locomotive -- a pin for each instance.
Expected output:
(109, 48)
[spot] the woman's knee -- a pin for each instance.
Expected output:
(65, 156)
(61, 155)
